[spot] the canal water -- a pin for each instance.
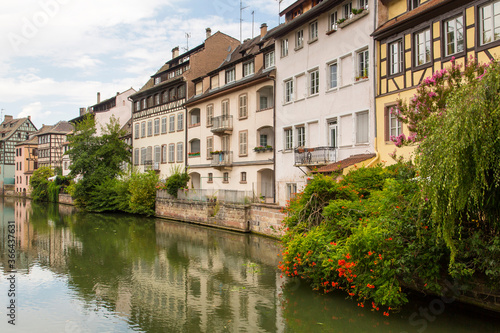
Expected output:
(79, 272)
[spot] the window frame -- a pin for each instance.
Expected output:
(284, 47)
(288, 86)
(210, 114)
(171, 123)
(301, 136)
(225, 177)
(269, 59)
(299, 39)
(230, 75)
(143, 129)
(358, 115)
(363, 64)
(330, 81)
(180, 152)
(426, 33)
(150, 127)
(210, 147)
(400, 60)
(288, 138)
(333, 18)
(243, 177)
(180, 121)
(171, 153)
(243, 143)
(456, 40)
(243, 108)
(137, 132)
(313, 31)
(163, 125)
(347, 10)
(248, 68)
(313, 82)
(156, 126)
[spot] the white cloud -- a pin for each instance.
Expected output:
(35, 110)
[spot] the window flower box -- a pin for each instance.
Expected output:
(362, 12)
(261, 149)
(194, 154)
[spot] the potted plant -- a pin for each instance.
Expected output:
(269, 148)
(259, 149)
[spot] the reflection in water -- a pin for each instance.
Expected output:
(82, 272)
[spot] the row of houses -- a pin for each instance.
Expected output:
(311, 95)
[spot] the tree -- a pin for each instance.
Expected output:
(40, 184)
(459, 160)
(95, 158)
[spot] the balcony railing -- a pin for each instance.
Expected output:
(222, 159)
(222, 124)
(315, 156)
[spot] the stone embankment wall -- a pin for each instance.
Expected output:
(258, 218)
(66, 199)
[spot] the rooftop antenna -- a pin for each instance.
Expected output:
(253, 16)
(279, 11)
(188, 35)
(241, 19)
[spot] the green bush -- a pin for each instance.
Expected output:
(142, 189)
(40, 184)
(369, 242)
(177, 180)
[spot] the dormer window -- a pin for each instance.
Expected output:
(157, 80)
(230, 75)
(248, 69)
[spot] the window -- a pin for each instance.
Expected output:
(180, 121)
(157, 99)
(243, 106)
(284, 47)
(422, 47)
(454, 35)
(150, 127)
(363, 64)
(248, 68)
(362, 3)
(157, 80)
(333, 75)
(291, 191)
(333, 20)
(195, 146)
(164, 154)
(180, 152)
(394, 125)
(157, 126)
(144, 104)
(137, 106)
(171, 94)
(210, 114)
(171, 153)
(136, 131)
(314, 82)
(143, 155)
(163, 125)
(181, 92)
(210, 147)
(288, 139)
(489, 18)
(243, 143)
(230, 75)
(301, 136)
(171, 123)
(149, 154)
(362, 127)
(396, 57)
(263, 140)
(165, 96)
(347, 10)
(210, 177)
(313, 31)
(412, 4)
(269, 59)
(143, 129)
(288, 91)
(299, 39)
(225, 177)
(225, 108)
(243, 177)
(157, 154)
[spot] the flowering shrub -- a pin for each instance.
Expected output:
(431, 98)
(367, 238)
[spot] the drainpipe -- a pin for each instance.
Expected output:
(274, 128)
(374, 86)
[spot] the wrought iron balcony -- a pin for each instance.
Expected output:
(221, 159)
(222, 124)
(315, 156)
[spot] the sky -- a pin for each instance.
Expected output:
(55, 55)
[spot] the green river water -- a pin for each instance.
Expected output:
(79, 272)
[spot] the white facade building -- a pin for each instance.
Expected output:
(324, 88)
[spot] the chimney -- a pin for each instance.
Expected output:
(263, 30)
(8, 117)
(209, 32)
(175, 52)
(98, 97)
(82, 111)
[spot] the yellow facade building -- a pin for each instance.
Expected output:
(416, 38)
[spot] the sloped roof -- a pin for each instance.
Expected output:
(9, 127)
(340, 165)
(62, 127)
(407, 19)
(33, 140)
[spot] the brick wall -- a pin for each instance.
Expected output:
(259, 218)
